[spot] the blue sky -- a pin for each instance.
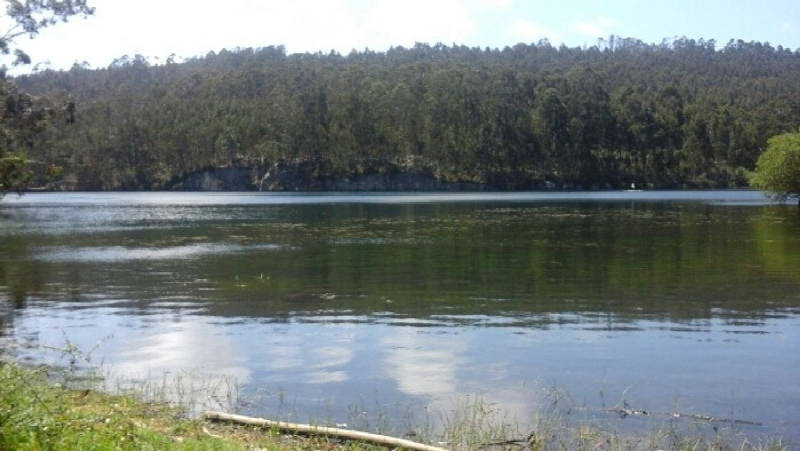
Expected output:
(158, 28)
(576, 22)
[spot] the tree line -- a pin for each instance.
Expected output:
(684, 113)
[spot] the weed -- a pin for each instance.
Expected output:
(71, 407)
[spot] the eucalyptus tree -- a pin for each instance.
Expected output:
(685, 114)
(22, 116)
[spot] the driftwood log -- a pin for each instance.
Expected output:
(308, 429)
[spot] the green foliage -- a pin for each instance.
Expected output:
(13, 172)
(22, 120)
(778, 168)
(684, 114)
(23, 117)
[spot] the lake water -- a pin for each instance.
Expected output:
(383, 310)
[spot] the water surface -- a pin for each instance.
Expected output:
(385, 308)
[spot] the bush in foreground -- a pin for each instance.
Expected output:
(778, 168)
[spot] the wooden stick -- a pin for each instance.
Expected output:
(321, 430)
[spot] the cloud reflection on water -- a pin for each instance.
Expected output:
(421, 366)
(312, 359)
(120, 253)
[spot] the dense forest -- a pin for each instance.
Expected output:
(684, 113)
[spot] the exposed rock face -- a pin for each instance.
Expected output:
(401, 181)
(305, 177)
(302, 177)
(231, 178)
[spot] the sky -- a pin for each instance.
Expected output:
(187, 28)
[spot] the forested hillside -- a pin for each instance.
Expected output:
(681, 114)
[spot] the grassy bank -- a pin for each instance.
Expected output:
(37, 413)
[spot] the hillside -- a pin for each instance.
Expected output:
(684, 113)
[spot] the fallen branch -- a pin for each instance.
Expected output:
(714, 419)
(626, 412)
(321, 430)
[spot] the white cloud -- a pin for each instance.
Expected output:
(496, 4)
(599, 27)
(786, 27)
(191, 28)
(528, 31)
(390, 23)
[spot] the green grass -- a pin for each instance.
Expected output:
(36, 414)
(39, 414)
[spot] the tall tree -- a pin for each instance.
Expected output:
(660, 116)
(22, 116)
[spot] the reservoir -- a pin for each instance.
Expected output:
(385, 311)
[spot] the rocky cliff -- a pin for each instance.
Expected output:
(308, 177)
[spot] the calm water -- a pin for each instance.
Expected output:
(378, 310)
